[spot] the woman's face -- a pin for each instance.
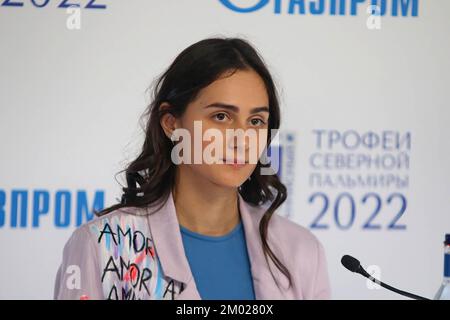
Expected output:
(236, 102)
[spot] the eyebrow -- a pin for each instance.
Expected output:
(235, 108)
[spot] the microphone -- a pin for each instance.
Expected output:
(354, 265)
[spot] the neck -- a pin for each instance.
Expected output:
(202, 206)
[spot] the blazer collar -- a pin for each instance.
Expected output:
(167, 239)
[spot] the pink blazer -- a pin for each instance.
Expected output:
(128, 254)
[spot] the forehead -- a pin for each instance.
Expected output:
(245, 89)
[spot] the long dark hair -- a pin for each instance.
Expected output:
(151, 175)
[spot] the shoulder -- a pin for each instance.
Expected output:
(303, 254)
(103, 235)
(112, 251)
(299, 248)
(287, 234)
(118, 221)
(293, 235)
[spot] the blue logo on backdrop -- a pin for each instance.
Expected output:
(230, 5)
(87, 4)
(394, 8)
(31, 208)
(282, 159)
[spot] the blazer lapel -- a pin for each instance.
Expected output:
(266, 285)
(166, 236)
(168, 243)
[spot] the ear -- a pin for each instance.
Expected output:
(168, 121)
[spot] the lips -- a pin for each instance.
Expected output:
(234, 162)
(235, 165)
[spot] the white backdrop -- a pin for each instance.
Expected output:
(365, 115)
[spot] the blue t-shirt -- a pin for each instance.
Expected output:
(220, 265)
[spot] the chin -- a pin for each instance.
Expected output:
(227, 177)
(230, 181)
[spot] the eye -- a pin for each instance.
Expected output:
(255, 122)
(221, 116)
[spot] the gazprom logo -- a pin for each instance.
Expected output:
(404, 8)
(62, 208)
(231, 5)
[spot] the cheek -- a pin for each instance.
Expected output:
(262, 141)
(260, 145)
(250, 169)
(214, 147)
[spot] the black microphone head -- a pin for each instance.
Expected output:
(350, 263)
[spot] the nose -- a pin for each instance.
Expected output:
(238, 142)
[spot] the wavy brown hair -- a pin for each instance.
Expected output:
(151, 175)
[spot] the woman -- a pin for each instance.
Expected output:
(200, 229)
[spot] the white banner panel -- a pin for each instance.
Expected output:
(365, 103)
